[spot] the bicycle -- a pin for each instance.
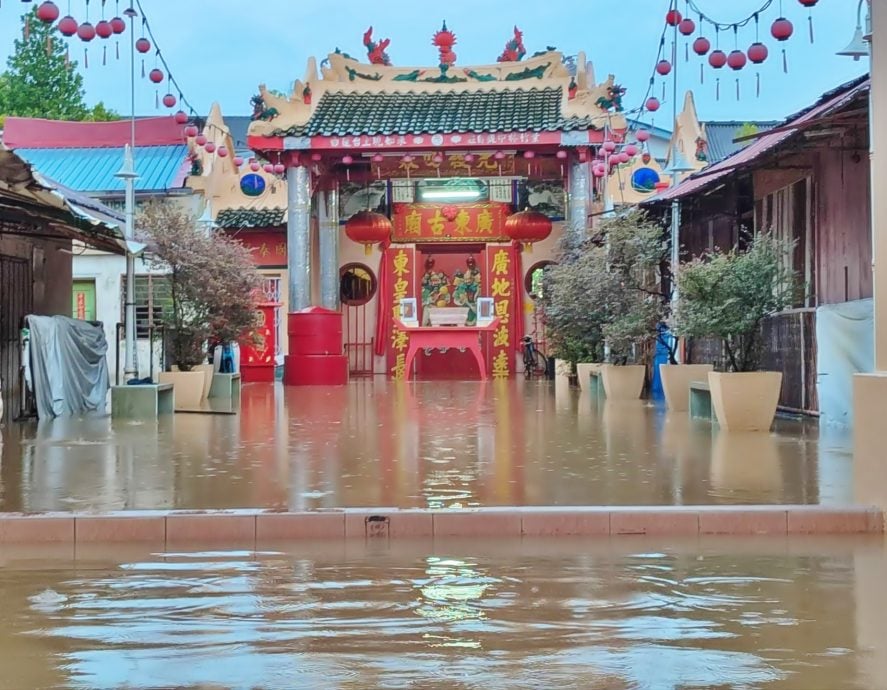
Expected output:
(535, 363)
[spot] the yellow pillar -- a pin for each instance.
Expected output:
(870, 390)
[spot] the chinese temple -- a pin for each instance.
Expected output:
(443, 189)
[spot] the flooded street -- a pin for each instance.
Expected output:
(425, 445)
(566, 613)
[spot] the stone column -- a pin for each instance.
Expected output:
(328, 219)
(870, 390)
(580, 199)
(298, 234)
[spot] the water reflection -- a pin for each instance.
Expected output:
(572, 614)
(433, 445)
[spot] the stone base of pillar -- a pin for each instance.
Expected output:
(869, 439)
(315, 370)
(315, 349)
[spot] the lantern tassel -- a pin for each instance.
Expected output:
(117, 48)
(143, 68)
(686, 52)
(86, 57)
(810, 21)
(701, 74)
(157, 99)
(718, 89)
(528, 247)
(368, 249)
(49, 44)
(104, 55)
(784, 61)
(758, 85)
(737, 89)
(26, 32)
(67, 57)
(663, 90)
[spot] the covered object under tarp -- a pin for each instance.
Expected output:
(68, 370)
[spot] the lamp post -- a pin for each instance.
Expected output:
(128, 174)
(678, 167)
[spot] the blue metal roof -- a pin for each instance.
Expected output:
(160, 168)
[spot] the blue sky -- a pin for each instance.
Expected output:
(221, 51)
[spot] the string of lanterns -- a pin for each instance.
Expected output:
(781, 29)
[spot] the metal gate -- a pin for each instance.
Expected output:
(16, 302)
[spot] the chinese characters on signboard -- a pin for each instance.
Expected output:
(400, 270)
(442, 223)
(503, 292)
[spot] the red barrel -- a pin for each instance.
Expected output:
(315, 331)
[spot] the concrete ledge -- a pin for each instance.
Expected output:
(249, 527)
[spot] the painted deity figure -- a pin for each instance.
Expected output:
(435, 290)
(466, 289)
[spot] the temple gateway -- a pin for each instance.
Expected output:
(453, 184)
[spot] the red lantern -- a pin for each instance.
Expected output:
(528, 227)
(210, 147)
(118, 26)
(808, 3)
(631, 150)
(687, 26)
(757, 53)
(663, 67)
(560, 155)
(169, 100)
(643, 135)
(156, 75)
(103, 29)
(68, 26)
(86, 32)
(200, 140)
(254, 165)
(238, 161)
(609, 146)
(701, 45)
(181, 117)
(782, 29)
(717, 59)
(279, 168)
(623, 157)
(673, 18)
(143, 45)
(368, 228)
(268, 168)
(599, 171)
(48, 12)
(191, 131)
(652, 104)
(223, 152)
(736, 60)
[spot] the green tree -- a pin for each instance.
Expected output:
(41, 82)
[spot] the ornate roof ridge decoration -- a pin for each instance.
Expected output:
(248, 217)
(582, 100)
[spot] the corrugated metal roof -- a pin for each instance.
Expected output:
(160, 168)
(720, 136)
(830, 102)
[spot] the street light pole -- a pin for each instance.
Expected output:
(128, 175)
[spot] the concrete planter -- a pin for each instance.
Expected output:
(584, 371)
(623, 382)
(676, 380)
(208, 371)
(188, 387)
(745, 401)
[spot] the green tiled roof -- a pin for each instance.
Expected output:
(514, 110)
(251, 218)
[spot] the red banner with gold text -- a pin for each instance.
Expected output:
(484, 222)
(501, 261)
(401, 269)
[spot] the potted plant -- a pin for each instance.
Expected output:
(606, 293)
(212, 282)
(727, 295)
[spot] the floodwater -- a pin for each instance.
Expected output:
(426, 445)
(626, 615)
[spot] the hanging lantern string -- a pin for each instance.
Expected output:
(765, 5)
(641, 109)
(146, 27)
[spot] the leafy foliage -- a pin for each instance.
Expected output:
(40, 82)
(728, 294)
(607, 290)
(212, 282)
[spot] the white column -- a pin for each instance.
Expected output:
(298, 236)
(580, 199)
(328, 218)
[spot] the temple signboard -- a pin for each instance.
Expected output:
(450, 223)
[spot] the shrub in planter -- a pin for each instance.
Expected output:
(212, 281)
(727, 295)
(608, 290)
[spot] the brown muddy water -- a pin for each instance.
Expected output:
(426, 445)
(568, 614)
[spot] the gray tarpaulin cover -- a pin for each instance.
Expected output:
(69, 368)
(844, 347)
